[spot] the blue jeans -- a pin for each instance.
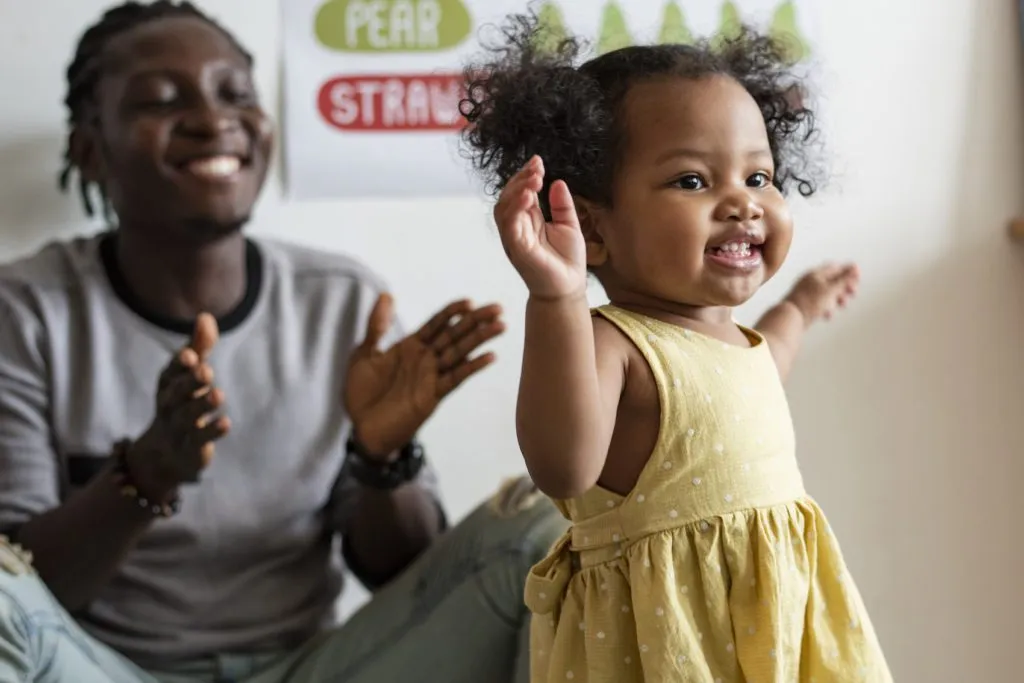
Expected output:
(456, 616)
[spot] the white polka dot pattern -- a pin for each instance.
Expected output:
(705, 569)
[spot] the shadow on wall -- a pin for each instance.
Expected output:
(924, 493)
(32, 208)
(927, 488)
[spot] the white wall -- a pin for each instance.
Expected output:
(906, 407)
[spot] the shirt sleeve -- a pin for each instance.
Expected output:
(346, 489)
(29, 475)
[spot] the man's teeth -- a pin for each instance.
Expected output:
(215, 167)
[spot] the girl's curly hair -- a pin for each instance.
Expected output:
(527, 96)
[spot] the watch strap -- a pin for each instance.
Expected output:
(384, 476)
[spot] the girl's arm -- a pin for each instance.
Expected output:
(568, 395)
(816, 295)
(783, 327)
(568, 390)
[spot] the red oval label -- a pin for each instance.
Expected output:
(399, 103)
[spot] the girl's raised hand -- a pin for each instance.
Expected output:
(824, 290)
(550, 257)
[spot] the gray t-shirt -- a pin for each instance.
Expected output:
(252, 562)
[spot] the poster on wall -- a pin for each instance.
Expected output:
(372, 87)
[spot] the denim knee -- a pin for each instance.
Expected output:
(528, 514)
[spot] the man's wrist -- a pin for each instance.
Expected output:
(384, 474)
(158, 499)
(372, 449)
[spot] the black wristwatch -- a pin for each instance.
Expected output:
(384, 476)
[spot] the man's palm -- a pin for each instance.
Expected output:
(397, 386)
(390, 394)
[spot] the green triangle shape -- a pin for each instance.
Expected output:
(551, 30)
(786, 29)
(730, 24)
(614, 32)
(673, 26)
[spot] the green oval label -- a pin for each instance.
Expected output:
(392, 25)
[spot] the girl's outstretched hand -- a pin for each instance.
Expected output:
(550, 257)
(824, 290)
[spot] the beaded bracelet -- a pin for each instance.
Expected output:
(128, 489)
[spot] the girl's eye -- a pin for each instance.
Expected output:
(691, 181)
(759, 179)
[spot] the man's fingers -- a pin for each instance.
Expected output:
(206, 454)
(184, 361)
(213, 430)
(469, 343)
(380, 321)
(201, 442)
(204, 335)
(197, 412)
(182, 387)
(468, 323)
(442, 319)
(451, 380)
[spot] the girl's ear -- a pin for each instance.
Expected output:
(591, 216)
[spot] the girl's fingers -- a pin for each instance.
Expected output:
(563, 209)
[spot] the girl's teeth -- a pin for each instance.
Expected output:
(739, 248)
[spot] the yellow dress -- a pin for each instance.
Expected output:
(717, 567)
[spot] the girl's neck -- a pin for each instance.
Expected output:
(713, 321)
(674, 312)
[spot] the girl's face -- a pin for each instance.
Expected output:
(695, 220)
(180, 143)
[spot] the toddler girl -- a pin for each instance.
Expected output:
(658, 423)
